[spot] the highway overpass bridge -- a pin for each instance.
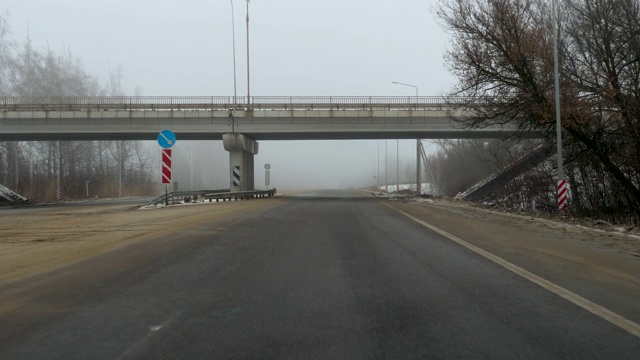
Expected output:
(238, 122)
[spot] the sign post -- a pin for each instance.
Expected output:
(166, 140)
(267, 175)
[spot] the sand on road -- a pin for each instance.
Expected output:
(31, 243)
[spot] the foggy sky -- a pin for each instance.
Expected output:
(297, 48)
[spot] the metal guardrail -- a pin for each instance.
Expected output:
(225, 103)
(179, 197)
(240, 195)
(175, 197)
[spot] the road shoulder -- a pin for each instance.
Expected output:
(570, 257)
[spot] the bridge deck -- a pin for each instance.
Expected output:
(267, 118)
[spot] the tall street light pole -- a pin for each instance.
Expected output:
(378, 173)
(418, 144)
(233, 34)
(397, 166)
(561, 183)
(248, 81)
(413, 86)
(386, 168)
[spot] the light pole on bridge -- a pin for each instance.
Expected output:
(413, 86)
(233, 34)
(248, 82)
(418, 144)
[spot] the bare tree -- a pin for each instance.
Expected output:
(502, 49)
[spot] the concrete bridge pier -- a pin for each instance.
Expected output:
(241, 151)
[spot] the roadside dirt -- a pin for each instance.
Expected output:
(33, 242)
(596, 233)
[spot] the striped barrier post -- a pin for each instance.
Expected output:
(236, 176)
(562, 195)
(166, 166)
(166, 173)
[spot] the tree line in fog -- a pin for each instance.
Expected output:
(33, 168)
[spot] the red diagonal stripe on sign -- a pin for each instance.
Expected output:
(166, 157)
(166, 166)
(166, 172)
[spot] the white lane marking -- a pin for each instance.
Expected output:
(136, 346)
(590, 306)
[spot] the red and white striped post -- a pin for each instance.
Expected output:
(166, 173)
(562, 183)
(562, 195)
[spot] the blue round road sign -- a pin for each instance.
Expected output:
(166, 139)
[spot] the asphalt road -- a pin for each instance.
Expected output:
(326, 275)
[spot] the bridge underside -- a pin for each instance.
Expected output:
(70, 136)
(240, 130)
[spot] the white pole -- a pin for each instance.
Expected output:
(378, 172)
(59, 167)
(233, 34)
(557, 86)
(386, 167)
(120, 151)
(418, 182)
(248, 82)
(418, 169)
(397, 165)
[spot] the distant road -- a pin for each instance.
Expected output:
(323, 275)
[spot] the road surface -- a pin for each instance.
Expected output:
(323, 275)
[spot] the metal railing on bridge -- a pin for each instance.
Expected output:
(225, 103)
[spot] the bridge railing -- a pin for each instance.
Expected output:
(226, 103)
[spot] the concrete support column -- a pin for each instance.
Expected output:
(241, 151)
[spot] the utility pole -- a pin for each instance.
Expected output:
(562, 195)
(418, 168)
(58, 190)
(378, 171)
(386, 167)
(233, 34)
(397, 165)
(418, 182)
(248, 81)
(120, 152)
